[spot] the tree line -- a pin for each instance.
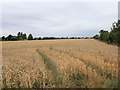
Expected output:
(112, 36)
(23, 36)
(19, 36)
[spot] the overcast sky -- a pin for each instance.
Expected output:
(58, 18)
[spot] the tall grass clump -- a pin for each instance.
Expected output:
(78, 80)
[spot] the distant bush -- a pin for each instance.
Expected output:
(96, 37)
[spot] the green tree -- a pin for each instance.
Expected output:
(9, 37)
(18, 35)
(14, 38)
(24, 36)
(21, 36)
(114, 36)
(3, 38)
(39, 38)
(118, 28)
(104, 35)
(30, 37)
(96, 37)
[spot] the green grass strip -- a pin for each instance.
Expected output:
(51, 66)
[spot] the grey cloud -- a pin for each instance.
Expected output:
(58, 19)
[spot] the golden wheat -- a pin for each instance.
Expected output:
(22, 65)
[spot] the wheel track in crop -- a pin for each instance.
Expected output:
(83, 70)
(69, 54)
(52, 67)
(89, 65)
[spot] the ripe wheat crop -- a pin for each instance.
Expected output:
(73, 63)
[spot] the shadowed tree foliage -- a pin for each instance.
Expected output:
(96, 37)
(110, 37)
(24, 36)
(14, 38)
(39, 38)
(30, 37)
(19, 36)
(3, 38)
(115, 33)
(118, 27)
(104, 35)
(9, 37)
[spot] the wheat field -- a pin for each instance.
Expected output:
(77, 63)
